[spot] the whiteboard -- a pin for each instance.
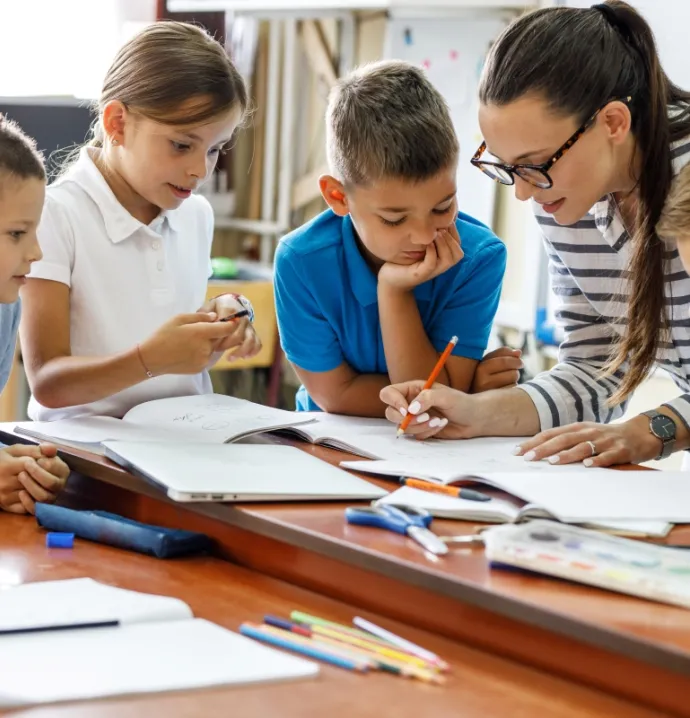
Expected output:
(452, 50)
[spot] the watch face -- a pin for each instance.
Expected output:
(663, 427)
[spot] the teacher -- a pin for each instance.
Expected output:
(579, 116)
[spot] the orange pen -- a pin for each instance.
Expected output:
(430, 381)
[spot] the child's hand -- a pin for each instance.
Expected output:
(498, 369)
(443, 253)
(244, 339)
(29, 474)
(186, 344)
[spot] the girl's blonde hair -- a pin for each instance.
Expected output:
(675, 218)
(174, 73)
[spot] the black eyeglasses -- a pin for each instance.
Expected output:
(537, 175)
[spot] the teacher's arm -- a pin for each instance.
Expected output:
(573, 391)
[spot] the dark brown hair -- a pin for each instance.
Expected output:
(578, 60)
(163, 69)
(18, 154)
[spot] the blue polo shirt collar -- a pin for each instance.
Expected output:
(362, 279)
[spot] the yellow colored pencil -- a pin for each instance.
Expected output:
(370, 659)
(371, 646)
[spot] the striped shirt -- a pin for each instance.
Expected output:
(588, 266)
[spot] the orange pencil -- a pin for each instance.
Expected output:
(430, 381)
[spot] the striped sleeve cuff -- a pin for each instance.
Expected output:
(545, 405)
(681, 408)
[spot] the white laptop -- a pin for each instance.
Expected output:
(238, 472)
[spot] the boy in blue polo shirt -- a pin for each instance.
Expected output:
(372, 290)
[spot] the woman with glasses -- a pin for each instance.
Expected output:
(579, 116)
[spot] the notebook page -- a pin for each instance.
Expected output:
(446, 461)
(598, 495)
(339, 427)
(90, 431)
(82, 600)
(212, 418)
(144, 658)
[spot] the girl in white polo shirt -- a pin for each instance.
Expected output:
(114, 313)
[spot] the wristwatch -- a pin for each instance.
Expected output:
(664, 428)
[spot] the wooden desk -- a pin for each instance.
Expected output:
(480, 685)
(633, 648)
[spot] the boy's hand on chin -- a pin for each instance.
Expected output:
(441, 254)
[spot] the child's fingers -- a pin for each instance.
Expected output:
(498, 365)
(502, 352)
(248, 344)
(445, 252)
(27, 503)
(34, 489)
(49, 451)
(428, 264)
(55, 466)
(50, 482)
(20, 450)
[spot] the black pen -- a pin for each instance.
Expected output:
(58, 627)
(238, 315)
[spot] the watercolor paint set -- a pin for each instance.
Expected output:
(576, 554)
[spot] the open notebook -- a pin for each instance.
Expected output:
(238, 472)
(594, 494)
(205, 418)
(500, 511)
(157, 646)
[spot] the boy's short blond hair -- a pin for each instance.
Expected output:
(386, 120)
(675, 217)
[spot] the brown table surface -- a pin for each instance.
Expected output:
(479, 685)
(623, 645)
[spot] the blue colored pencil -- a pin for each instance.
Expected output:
(316, 651)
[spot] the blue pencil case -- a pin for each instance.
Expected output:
(114, 530)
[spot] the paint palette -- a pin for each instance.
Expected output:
(576, 554)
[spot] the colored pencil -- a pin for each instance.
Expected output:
(458, 491)
(402, 643)
(373, 660)
(305, 618)
(368, 645)
(430, 381)
(316, 651)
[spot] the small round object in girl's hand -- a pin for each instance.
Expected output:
(59, 540)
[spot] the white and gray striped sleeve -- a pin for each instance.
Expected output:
(575, 389)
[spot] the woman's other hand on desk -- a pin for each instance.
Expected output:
(595, 445)
(498, 369)
(439, 411)
(29, 474)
